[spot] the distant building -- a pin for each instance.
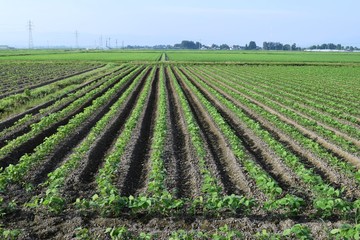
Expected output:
(325, 50)
(5, 47)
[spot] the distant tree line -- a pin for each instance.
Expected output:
(185, 44)
(333, 46)
(280, 46)
(267, 46)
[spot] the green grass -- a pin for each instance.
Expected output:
(62, 55)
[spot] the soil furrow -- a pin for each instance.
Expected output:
(232, 176)
(30, 145)
(138, 167)
(81, 181)
(184, 174)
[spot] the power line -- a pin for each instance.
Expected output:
(30, 28)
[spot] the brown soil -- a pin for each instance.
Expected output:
(232, 174)
(137, 166)
(183, 172)
(81, 182)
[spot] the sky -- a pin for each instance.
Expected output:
(140, 22)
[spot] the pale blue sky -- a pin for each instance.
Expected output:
(140, 22)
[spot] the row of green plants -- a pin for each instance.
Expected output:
(212, 199)
(324, 91)
(14, 173)
(297, 231)
(345, 112)
(108, 200)
(263, 181)
(275, 96)
(63, 101)
(53, 198)
(55, 117)
(289, 129)
(328, 200)
(297, 102)
(161, 199)
(334, 84)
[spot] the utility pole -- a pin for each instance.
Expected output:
(30, 27)
(109, 43)
(116, 44)
(122, 44)
(76, 39)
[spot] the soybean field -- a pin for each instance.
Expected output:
(179, 145)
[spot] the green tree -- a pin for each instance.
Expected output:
(224, 47)
(287, 47)
(266, 46)
(252, 45)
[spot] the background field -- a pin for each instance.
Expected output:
(183, 56)
(105, 56)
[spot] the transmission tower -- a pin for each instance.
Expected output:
(30, 28)
(76, 39)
